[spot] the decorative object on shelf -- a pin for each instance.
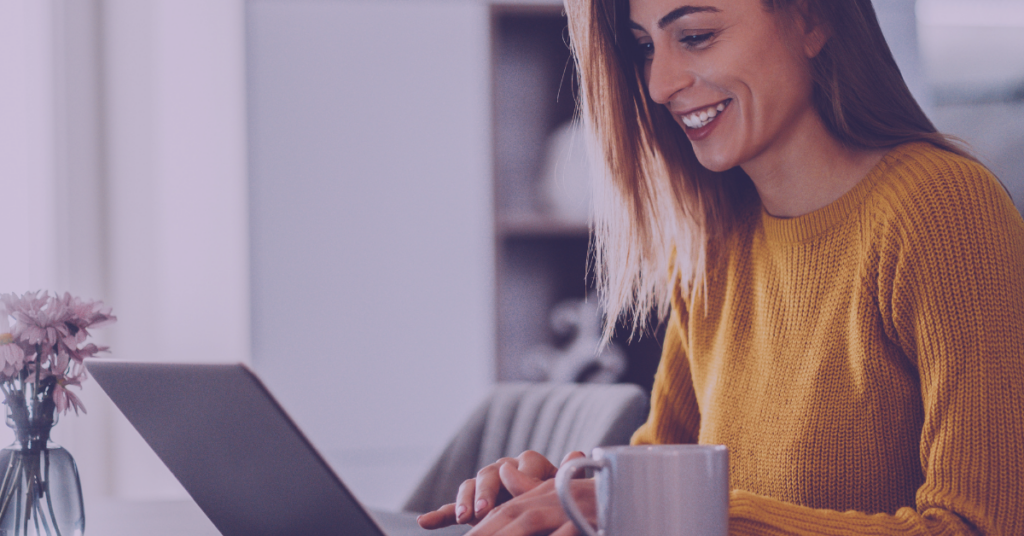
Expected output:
(41, 356)
(566, 180)
(577, 360)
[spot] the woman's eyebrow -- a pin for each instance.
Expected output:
(684, 11)
(677, 14)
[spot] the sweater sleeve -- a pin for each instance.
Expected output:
(674, 416)
(951, 295)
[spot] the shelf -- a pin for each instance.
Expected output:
(541, 258)
(527, 6)
(540, 226)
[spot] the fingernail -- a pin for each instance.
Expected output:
(480, 505)
(460, 511)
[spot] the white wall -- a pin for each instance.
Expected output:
(176, 172)
(49, 175)
(898, 20)
(123, 178)
(372, 264)
(974, 59)
(975, 53)
(27, 146)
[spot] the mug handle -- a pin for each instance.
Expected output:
(562, 480)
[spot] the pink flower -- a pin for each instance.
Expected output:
(5, 320)
(89, 350)
(12, 358)
(59, 363)
(64, 399)
(55, 323)
(45, 344)
(40, 318)
(85, 314)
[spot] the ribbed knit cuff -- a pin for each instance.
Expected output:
(755, 515)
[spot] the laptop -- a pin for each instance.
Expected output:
(238, 454)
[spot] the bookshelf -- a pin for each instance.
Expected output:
(541, 258)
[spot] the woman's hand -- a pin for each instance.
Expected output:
(539, 512)
(493, 485)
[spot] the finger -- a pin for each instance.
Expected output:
(567, 529)
(533, 521)
(440, 518)
(535, 512)
(579, 473)
(463, 510)
(516, 481)
(572, 456)
(488, 486)
(536, 465)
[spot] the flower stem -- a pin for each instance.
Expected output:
(46, 490)
(35, 388)
(10, 480)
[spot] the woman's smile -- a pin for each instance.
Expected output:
(698, 123)
(734, 76)
(701, 117)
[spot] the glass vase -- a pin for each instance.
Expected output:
(40, 493)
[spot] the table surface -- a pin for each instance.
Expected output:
(112, 517)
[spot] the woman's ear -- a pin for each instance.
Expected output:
(816, 32)
(815, 39)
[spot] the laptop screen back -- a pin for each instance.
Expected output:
(233, 448)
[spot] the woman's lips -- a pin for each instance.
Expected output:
(701, 117)
(699, 124)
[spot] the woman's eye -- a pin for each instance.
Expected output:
(696, 40)
(643, 52)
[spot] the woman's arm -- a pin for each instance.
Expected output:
(674, 417)
(951, 295)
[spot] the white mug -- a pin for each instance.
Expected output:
(657, 490)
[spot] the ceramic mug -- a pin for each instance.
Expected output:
(654, 490)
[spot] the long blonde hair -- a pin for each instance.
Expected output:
(658, 209)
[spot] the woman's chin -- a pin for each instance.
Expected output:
(714, 161)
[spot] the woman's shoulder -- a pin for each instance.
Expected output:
(936, 206)
(919, 185)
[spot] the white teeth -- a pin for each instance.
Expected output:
(704, 117)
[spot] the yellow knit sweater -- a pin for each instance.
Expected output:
(863, 363)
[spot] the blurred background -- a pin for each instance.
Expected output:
(380, 205)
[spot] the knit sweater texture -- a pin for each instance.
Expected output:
(864, 363)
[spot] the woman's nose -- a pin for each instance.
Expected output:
(666, 76)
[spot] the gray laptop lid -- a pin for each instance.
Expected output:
(233, 448)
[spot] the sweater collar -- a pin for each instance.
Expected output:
(813, 224)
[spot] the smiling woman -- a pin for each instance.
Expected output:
(778, 78)
(844, 285)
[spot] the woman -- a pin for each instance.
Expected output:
(847, 285)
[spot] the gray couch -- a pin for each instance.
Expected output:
(552, 419)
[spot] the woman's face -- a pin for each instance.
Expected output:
(735, 76)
